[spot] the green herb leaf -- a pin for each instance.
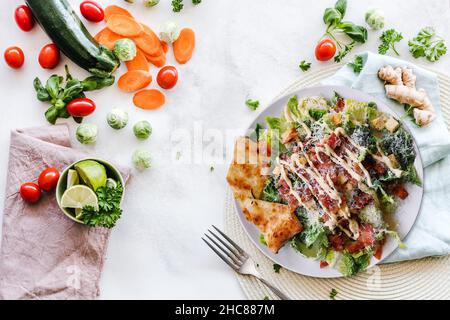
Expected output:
(343, 52)
(252, 104)
(262, 240)
(357, 64)
(333, 294)
(257, 131)
(276, 267)
(388, 39)
(304, 66)
(41, 92)
(196, 2)
(341, 6)
(355, 32)
(332, 16)
(53, 86)
(97, 83)
(177, 5)
(423, 45)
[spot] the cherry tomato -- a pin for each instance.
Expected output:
(49, 56)
(167, 77)
(325, 50)
(30, 192)
(24, 18)
(14, 57)
(81, 107)
(48, 179)
(92, 11)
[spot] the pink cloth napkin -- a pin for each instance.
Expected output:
(44, 254)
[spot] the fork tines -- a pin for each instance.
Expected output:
(225, 248)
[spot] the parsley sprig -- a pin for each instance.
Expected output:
(388, 39)
(357, 64)
(304, 66)
(427, 44)
(109, 208)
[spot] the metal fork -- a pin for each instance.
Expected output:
(237, 258)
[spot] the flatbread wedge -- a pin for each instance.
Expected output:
(277, 222)
(246, 173)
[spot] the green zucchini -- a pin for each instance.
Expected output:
(69, 34)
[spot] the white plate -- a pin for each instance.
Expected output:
(406, 214)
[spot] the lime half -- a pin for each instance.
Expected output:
(92, 173)
(72, 178)
(78, 197)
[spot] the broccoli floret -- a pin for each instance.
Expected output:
(362, 136)
(400, 144)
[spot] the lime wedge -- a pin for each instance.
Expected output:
(78, 197)
(72, 178)
(92, 173)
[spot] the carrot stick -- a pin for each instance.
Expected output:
(123, 25)
(134, 80)
(158, 61)
(149, 99)
(184, 46)
(139, 62)
(110, 10)
(107, 38)
(149, 42)
(164, 46)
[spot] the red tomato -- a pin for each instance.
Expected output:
(325, 50)
(400, 192)
(366, 234)
(92, 11)
(30, 192)
(14, 57)
(49, 56)
(167, 77)
(48, 179)
(378, 251)
(81, 107)
(24, 18)
(323, 264)
(355, 246)
(337, 242)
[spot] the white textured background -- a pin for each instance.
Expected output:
(245, 48)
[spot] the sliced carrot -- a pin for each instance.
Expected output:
(110, 10)
(134, 80)
(164, 46)
(158, 61)
(107, 38)
(184, 46)
(124, 25)
(139, 62)
(149, 42)
(149, 99)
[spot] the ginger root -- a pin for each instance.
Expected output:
(400, 85)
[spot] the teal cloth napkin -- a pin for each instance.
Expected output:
(430, 235)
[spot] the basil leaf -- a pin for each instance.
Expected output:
(96, 83)
(73, 88)
(53, 86)
(355, 32)
(331, 16)
(41, 92)
(341, 6)
(52, 114)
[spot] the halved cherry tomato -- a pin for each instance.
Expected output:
(14, 57)
(167, 77)
(49, 56)
(24, 18)
(48, 179)
(92, 11)
(325, 50)
(81, 107)
(30, 192)
(323, 264)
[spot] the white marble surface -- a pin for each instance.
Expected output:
(245, 48)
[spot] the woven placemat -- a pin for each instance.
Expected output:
(418, 279)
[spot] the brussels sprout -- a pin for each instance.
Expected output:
(117, 118)
(142, 129)
(141, 159)
(375, 19)
(169, 32)
(111, 183)
(150, 3)
(87, 133)
(125, 49)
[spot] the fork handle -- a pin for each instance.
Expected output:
(280, 294)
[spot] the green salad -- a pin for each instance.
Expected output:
(344, 166)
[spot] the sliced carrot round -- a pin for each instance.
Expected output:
(113, 9)
(149, 99)
(149, 42)
(184, 46)
(158, 61)
(107, 38)
(139, 62)
(124, 25)
(134, 80)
